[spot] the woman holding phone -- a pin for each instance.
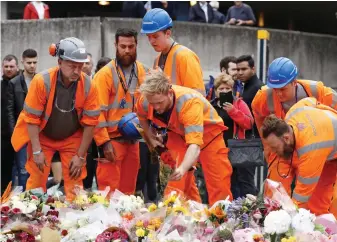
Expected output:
(238, 118)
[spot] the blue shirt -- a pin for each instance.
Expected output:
(244, 12)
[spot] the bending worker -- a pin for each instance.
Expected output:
(60, 113)
(282, 92)
(307, 138)
(194, 131)
(117, 83)
(178, 62)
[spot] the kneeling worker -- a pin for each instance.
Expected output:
(194, 131)
(307, 138)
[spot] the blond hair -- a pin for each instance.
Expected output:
(223, 78)
(156, 82)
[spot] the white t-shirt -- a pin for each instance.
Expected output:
(39, 8)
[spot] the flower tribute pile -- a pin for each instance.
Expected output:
(47, 217)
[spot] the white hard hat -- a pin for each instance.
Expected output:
(214, 4)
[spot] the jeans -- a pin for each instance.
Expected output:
(19, 168)
(242, 182)
(147, 174)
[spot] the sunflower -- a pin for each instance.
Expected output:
(170, 201)
(152, 207)
(180, 210)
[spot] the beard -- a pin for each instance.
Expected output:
(288, 151)
(126, 59)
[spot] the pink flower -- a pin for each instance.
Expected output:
(16, 211)
(209, 230)
(5, 210)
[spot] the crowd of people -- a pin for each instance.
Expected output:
(78, 124)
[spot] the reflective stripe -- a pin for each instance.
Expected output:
(174, 65)
(145, 106)
(101, 124)
(203, 92)
(112, 123)
(46, 117)
(194, 128)
(270, 100)
(182, 99)
(116, 105)
(334, 99)
(147, 69)
(32, 110)
(315, 146)
(313, 88)
(91, 113)
(46, 80)
(308, 180)
(87, 85)
(298, 110)
(104, 107)
(301, 198)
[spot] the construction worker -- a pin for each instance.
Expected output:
(178, 62)
(60, 113)
(282, 92)
(306, 139)
(117, 84)
(194, 131)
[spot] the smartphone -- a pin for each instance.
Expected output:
(226, 97)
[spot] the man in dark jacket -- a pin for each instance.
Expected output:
(10, 69)
(201, 12)
(219, 18)
(17, 91)
(246, 74)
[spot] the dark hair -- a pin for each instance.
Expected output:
(10, 58)
(225, 61)
(247, 58)
(126, 32)
(89, 54)
(29, 53)
(274, 125)
(101, 63)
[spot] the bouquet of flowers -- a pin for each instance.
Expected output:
(217, 214)
(114, 234)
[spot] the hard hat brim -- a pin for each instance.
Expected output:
(270, 85)
(74, 60)
(169, 25)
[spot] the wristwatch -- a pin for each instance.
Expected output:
(37, 152)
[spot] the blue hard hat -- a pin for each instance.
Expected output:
(127, 126)
(156, 20)
(281, 72)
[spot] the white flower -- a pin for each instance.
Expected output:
(15, 198)
(31, 208)
(20, 205)
(82, 222)
(67, 224)
(160, 205)
(277, 222)
(303, 221)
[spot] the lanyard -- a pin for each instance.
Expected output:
(162, 66)
(126, 88)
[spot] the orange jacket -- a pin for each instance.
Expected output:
(266, 101)
(111, 93)
(183, 68)
(314, 127)
(192, 117)
(40, 102)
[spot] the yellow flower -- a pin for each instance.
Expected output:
(151, 227)
(168, 211)
(140, 232)
(156, 222)
(139, 223)
(152, 207)
(180, 209)
(170, 200)
(290, 239)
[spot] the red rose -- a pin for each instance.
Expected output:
(53, 213)
(30, 238)
(5, 209)
(64, 232)
(50, 200)
(16, 211)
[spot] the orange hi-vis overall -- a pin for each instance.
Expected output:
(193, 120)
(37, 110)
(183, 68)
(266, 102)
(315, 161)
(122, 173)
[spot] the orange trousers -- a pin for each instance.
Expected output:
(68, 149)
(216, 166)
(122, 173)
